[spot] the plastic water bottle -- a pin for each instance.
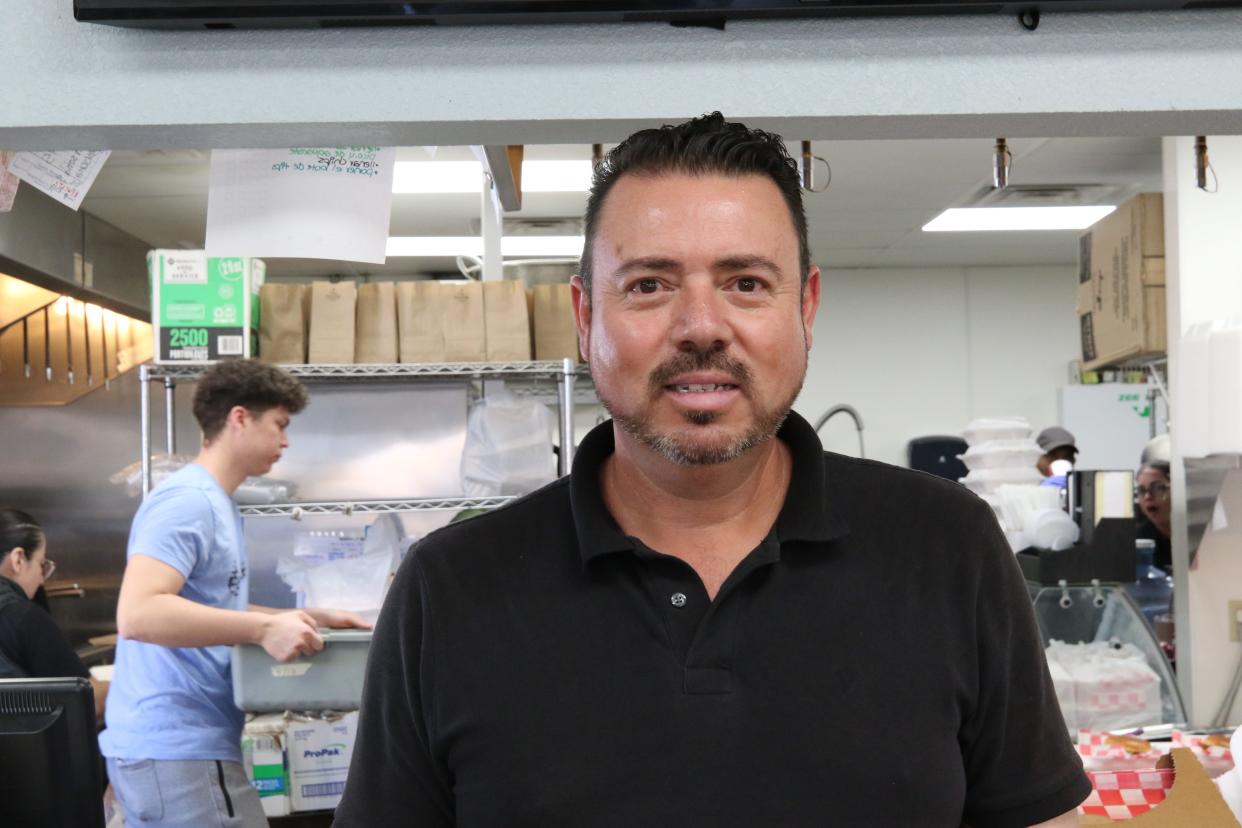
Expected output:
(1152, 589)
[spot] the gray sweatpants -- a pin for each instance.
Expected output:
(159, 793)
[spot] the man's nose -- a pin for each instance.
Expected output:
(702, 316)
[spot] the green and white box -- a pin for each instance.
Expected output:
(267, 767)
(204, 309)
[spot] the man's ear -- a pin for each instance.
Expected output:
(582, 316)
(237, 417)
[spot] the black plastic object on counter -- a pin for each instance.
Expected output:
(938, 456)
(50, 772)
(1107, 557)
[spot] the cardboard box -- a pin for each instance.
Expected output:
(263, 755)
(319, 752)
(1121, 301)
(1194, 800)
(203, 309)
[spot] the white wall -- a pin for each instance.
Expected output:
(69, 84)
(1203, 268)
(921, 352)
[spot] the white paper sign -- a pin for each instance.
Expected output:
(307, 202)
(66, 176)
(8, 182)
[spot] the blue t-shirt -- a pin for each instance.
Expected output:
(177, 702)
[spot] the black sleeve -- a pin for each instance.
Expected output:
(1021, 767)
(46, 652)
(394, 778)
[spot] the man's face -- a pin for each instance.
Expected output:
(264, 438)
(698, 327)
(1059, 453)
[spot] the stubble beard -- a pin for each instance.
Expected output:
(682, 448)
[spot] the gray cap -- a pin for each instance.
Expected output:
(1055, 437)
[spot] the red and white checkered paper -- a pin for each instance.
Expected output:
(1097, 755)
(1215, 759)
(1124, 794)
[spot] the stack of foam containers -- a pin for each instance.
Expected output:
(1001, 452)
(1209, 390)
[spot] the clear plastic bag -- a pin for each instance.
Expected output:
(253, 490)
(508, 446)
(350, 576)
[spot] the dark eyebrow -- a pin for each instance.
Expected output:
(660, 264)
(732, 263)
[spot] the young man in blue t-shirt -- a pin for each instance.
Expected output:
(173, 741)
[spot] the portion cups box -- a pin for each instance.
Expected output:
(331, 679)
(319, 754)
(263, 756)
(203, 309)
(299, 762)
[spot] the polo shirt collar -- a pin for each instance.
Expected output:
(811, 512)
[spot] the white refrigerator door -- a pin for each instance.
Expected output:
(1111, 422)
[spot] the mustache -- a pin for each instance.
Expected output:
(711, 359)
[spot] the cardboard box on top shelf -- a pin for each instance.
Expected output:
(203, 309)
(1194, 800)
(1121, 293)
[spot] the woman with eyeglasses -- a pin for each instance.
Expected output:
(31, 645)
(1152, 492)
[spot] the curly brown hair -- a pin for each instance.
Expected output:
(254, 385)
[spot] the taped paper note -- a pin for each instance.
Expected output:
(65, 176)
(8, 182)
(307, 202)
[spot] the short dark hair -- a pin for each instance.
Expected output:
(254, 385)
(708, 145)
(19, 529)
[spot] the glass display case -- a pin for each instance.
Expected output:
(1109, 670)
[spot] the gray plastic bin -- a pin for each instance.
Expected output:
(329, 680)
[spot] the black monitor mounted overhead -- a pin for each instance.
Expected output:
(248, 14)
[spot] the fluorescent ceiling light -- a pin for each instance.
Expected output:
(512, 246)
(961, 219)
(467, 177)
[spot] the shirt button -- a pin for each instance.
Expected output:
(678, 599)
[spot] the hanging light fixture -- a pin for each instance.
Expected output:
(1001, 159)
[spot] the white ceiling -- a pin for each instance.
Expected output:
(881, 193)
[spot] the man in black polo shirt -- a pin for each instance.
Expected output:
(711, 621)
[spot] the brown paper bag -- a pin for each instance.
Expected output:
(420, 321)
(332, 322)
(556, 336)
(506, 321)
(462, 322)
(376, 335)
(284, 316)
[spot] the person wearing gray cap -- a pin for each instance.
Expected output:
(1056, 444)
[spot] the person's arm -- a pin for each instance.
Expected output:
(330, 618)
(1021, 765)
(395, 776)
(150, 610)
(1069, 819)
(101, 695)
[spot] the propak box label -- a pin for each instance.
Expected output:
(203, 309)
(319, 753)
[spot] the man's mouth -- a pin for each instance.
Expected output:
(701, 388)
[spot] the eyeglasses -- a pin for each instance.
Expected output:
(1155, 490)
(48, 568)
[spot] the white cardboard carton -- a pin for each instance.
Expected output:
(319, 751)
